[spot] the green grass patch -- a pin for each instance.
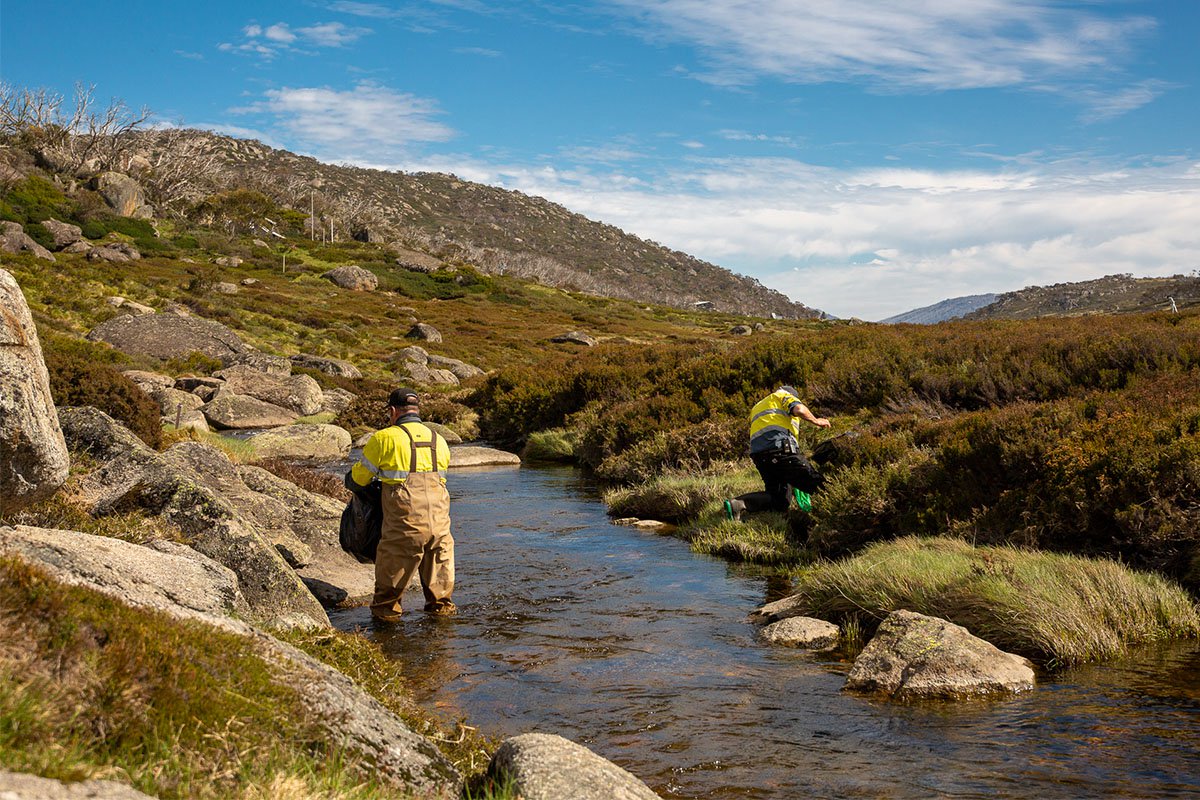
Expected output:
(320, 418)
(677, 496)
(238, 451)
(761, 539)
(556, 445)
(1057, 609)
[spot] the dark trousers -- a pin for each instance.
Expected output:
(780, 471)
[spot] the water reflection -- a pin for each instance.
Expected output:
(628, 643)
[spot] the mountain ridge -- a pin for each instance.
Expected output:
(500, 231)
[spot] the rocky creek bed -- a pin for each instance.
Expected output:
(630, 644)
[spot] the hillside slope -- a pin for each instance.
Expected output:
(945, 310)
(499, 231)
(1112, 294)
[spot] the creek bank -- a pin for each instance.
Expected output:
(194, 588)
(245, 532)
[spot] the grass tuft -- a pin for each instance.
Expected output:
(1057, 609)
(557, 445)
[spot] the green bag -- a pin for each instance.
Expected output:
(803, 500)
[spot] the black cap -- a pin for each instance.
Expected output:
(403, 397)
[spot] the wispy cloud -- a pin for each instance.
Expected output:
(1105, 105)
(897, 44)
(370, 122)
(270, 40)
(478, 51)
(746, 136)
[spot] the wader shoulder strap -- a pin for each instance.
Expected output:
(431, 445)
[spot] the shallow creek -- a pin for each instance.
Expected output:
(630, 644)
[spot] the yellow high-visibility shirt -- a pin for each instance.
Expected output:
(389, 452)
(772, 426)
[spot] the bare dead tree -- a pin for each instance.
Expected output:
(68, 137)
(180, 168)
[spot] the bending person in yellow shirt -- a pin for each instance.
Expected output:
(775, 451)
(410, 460)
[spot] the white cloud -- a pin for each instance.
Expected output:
(332, 34)
(280, 33)
(273, 39)
(348, 125)
(933, 44)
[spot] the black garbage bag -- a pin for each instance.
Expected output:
(362, 523)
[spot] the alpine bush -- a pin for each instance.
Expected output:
(83, 374)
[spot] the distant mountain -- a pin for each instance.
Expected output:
(458, 221)
(1112, 294)
(947, 309)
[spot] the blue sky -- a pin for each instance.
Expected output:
(864, 157)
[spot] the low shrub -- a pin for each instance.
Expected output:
(36, 199)
(692, 448)
(82, 374)
(194, 363)
(38, 232)
(869, 502)
(314, 480)
(1057, 609)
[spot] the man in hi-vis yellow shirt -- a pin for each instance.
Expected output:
(410, 460)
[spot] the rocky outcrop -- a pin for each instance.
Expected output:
(209, 468)
(149, 381)
(33, 453)
(299, 393)
(129, 306)
(230, 410)
(335, 401)
(543, 766)
(441, 430)
(330, 366)
(129, 475)
(303, 442)
(178, 408)
(123, 194)
(801, 632)
(334, 578)
(20, 786)
(575, 337)
(353, 278)
(473, 456)
(171, 575)
(424, 332)
(260, 362)
(460, 369)
(13, 239)
(167, 336)
(117, 252)
(63, 233)
(741, 330)
(423, 373)
(913, 656)
(172, 401)
(145, 577)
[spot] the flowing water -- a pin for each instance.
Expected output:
(628, 643)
